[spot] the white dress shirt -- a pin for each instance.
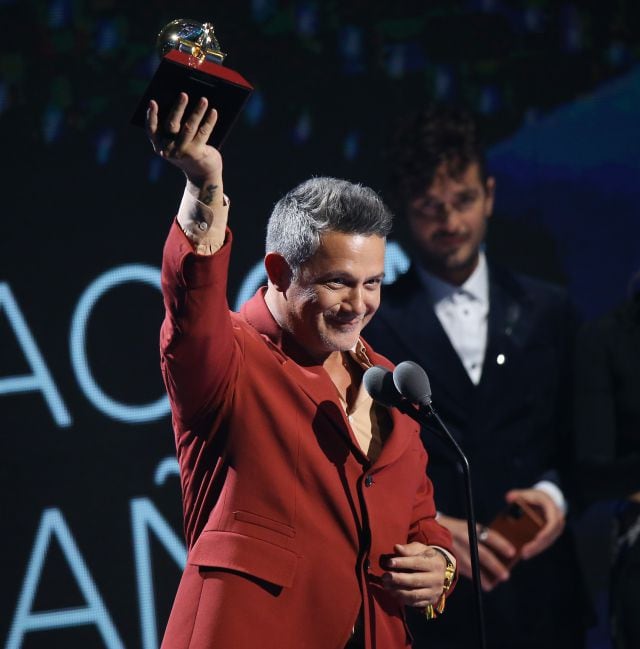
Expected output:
(463, 312)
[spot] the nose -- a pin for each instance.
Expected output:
(356, 301)
(446, 212)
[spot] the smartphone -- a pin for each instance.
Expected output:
(518, 523)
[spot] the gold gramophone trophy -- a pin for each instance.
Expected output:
(192, 63)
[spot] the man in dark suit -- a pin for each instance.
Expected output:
(496, 348)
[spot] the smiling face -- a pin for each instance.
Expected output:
(334, 294)
(448, 222)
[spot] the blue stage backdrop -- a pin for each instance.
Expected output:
(92, 544)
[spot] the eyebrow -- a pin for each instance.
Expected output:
(471, 191)
(347, 276)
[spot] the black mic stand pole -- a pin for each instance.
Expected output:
(424, 418)
(471, 523)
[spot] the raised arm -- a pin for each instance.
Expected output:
(199, 356)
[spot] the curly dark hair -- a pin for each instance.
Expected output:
(425, 140)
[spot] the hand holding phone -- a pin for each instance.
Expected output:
(518, 523)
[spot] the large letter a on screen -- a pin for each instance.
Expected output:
(26, 620)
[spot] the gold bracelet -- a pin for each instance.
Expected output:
(430, 610)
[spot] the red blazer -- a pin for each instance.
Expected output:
(286, 520)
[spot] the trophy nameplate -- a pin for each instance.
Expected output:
(192, 63)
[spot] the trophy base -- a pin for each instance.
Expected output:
(226, 90)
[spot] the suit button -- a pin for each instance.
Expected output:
(368, 481)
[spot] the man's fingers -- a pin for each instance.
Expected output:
(496, 542)
(192, 124)
(412, 580)
(180, 134)
(172, 123)
(426, 561)
(549, 532)
(492, 570)
(206, 127)
(534, 547)
(152, 119)
(492, 566)
(409, 549)
(412, 589)
(545, 538)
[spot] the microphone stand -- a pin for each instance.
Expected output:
(422, 415)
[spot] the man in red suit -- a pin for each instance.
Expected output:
(309, 519)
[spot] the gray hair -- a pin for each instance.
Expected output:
(319, 205)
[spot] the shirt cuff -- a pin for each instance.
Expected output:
(553, 491)
(202, 224)
(447, 553)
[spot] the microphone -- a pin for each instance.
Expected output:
(406, 387)
(412, 382)
(379, 383)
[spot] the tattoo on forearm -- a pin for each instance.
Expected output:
(208, 194)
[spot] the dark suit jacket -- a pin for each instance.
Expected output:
(514, 429)
(286, 519)
(607, 412)
(607, 418)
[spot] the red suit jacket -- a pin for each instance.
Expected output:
(286, 520)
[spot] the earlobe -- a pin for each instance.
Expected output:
(278, 271)
(490, 190)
